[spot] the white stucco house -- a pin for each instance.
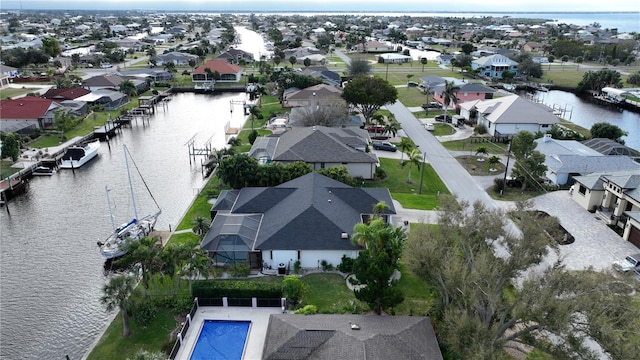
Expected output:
(309, 219)
(506, 116)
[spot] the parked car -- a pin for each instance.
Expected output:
(429, 127)
(412, 84)
(513, 182)
(376, 129)
(443, 118)
(630, 263)
(384, 145)
(432, 105)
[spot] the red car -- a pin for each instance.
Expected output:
(376, 129)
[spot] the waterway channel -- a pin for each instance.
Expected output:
(51, 274)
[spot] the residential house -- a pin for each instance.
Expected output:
(467, 92)
(108, 98)
(321, 147)
(26, 114)
(59, 95)
(566, 159)
(177, 58)
(609, 147)
(506, 116)
(444, 59)
(330, 336)
(308, 219)
(235, 56)
(323, 73)
(393, 58)
(374, 47)
(10, 71)
(533, 47)
(228, 73)
(146, 74)
(111, 82)
(614, 197)
(321, 93)
(494, 65)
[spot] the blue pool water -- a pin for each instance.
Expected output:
(221, 340)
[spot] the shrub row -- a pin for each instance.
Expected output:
(236, 289)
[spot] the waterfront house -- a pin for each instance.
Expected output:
(236, 56)
(321, 93)
(177, 58)
(308, 219)
(614, 197)
(26, 114)
(506, 116)
(494, 65)
(330, 336)
(228, 73)
(321, 147)
(566, 159)
(467, 92)
(107, 98)
(65, 94)
(111, 82)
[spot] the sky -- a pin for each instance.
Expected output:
(331, 5)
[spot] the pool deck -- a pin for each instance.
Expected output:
(259, 318)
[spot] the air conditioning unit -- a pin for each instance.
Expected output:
(345, 235)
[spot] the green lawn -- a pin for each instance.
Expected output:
(407, 193)
(577, 128)
(11, 92)
(411, 96)
(328, 292)
(201, 205)
(472, 143)
(442, 130)
(151, 338)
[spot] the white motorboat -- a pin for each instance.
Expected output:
(115, 245)
(78, 155)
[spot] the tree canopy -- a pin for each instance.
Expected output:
(529, 165)
(608, 131)
(359, 67)
(489, 299)
(596, 80)
(369, 94)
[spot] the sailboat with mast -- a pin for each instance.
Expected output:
(136, 228)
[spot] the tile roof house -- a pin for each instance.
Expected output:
(228, 73)
(26, 114)
(307, 219)
(321, 147)
(65, 94)
(331, 337)
(614, 197)
(508, 115)
(566, 159)
(494, 65)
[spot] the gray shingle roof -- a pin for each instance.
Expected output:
(589, 164)
(513, 109)
(331, 337)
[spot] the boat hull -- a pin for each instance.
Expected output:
(87, 152)
(114, 247)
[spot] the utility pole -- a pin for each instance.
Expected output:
(506, 169)
(424, 155)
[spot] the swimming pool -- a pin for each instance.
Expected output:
(221, 340)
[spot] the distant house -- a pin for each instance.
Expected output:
(65, 94)
(374, 47)
(323, 73)
(444, 59)
(614, 197)
(313, 94)
(566, 159)
(235, 56)
(506, 116)
(330, 337)
(177, 58)
(321, 147)
(494, 65)
(308, 219)
(228, 73)
(108, 98)
(111, 82)
(26, 114)
(393, 58)
(533, 46)
(146, 74)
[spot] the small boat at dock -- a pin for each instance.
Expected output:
(43, 171)
(78, 155)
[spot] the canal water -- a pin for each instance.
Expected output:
(51, 274)
(585, 114)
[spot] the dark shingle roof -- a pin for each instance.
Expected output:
(331, 337)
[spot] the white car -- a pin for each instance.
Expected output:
(630, 263)
(429, 127)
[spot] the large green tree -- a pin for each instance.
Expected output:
(51, 46)
(359, 66)
(377, 263)
(609, 131)
(369, 94)
(238, 171)
(144, 252)
(493, 290)
(529, 165)
(116, 296)
(11, 143)
(596, 80)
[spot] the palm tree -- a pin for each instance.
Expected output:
(129, 88)
(482, 150)
(201, 226)
(147, 253)
(423, 61)
(413, 158)
(255, 112)
(405, 145)
(449, 95)
(116, 295)
(392, 127)
(170, 67)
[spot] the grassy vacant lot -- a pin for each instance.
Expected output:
(407, 193)
(479, 165)
(8, 93)
(472, 143)
(151, 338)
(411, 96)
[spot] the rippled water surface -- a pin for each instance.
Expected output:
(51, 274)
